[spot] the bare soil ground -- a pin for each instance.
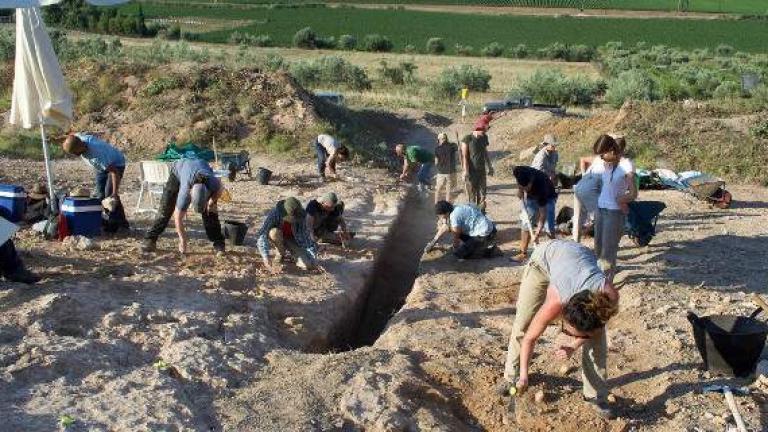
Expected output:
(241, 350)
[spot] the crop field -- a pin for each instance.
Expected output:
(747, 7)
(406, 27)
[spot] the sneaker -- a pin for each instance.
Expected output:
(149, 245)
(519, 258)
(220, 249)
(601, 407)
(23, 276)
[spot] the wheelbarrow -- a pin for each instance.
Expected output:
(730, 344)
(236, 162)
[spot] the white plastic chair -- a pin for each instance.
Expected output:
(154, 175)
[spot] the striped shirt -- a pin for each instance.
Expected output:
(300, 234)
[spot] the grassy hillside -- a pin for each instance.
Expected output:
(416, 27)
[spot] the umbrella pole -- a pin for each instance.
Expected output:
(48, 170)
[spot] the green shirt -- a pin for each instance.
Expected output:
(418, 154)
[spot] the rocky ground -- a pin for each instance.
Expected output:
(124, 341)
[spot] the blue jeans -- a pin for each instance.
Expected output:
(104, 182)
(424, 174)
(532, 207)
(322, 155)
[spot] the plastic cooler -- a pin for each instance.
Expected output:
(83, 216)
(13, 202)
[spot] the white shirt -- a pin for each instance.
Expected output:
(328, 142)
(615, 181)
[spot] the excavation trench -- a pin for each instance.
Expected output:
(394, 272)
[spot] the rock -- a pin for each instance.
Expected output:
(611, 398)
(539, 396)
(565, 370)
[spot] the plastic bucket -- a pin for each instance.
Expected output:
(729, 344)
(264, 175)
(235, 232)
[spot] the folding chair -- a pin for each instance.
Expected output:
(154, 175)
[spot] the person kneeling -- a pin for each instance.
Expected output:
(285, 227)
(325, 216)
(473, 232)
(562, 280)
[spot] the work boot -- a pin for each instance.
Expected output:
(601, 407)
(219, 249)
(149, 245)
(24, 276)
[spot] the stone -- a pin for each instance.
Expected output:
(539, 397)
(611, 398)
(565, 370)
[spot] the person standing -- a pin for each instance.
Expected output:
(415, 156)
(563, 280)
(475, 164)
(325, 216)
(617, 190)
(107, 162)
(473, 232)
(445, 160)
(329, 152)
(284, 228)
(191, 182)
(538, 196)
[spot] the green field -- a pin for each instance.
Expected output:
(415, 27)
(746, 7)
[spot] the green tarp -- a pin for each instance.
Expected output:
(186, 151)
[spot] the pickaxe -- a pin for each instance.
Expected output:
(728, 392)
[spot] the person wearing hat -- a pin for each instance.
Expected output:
(37, 204)
(416, 156)
(11, 267)
(445, 160)
(473, 231)
(285, 227)
(538, 196)
(191, 182)
(475, 163)
(325, 216)
(329, 152)
(546, 159)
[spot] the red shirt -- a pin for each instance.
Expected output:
(483, 121)
(287, 230)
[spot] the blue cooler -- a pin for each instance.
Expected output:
(83, 216)
(13, 202)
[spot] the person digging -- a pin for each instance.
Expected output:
(538, 198)
(325, 216)
(563, 281)
(109, 165)
(473, 232)
(191, 182)
(329, 152)
(415, 157)
(285, 227)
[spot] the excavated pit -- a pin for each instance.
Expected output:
(394, 272)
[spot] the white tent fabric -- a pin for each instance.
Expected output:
(39, 88)
(12, 4)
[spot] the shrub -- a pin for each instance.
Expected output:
(727, 89)
(399, 75)
(554, 87)
(330, 70)
(452, 79)
(173, 33)
(581, 53)
(347, 42)
(464, 50)
(162, 84)
(630, 85)
(238, 38)
(555, 51)
(673, 88)
(520, 51)
(274, 62)
(723, 50)
(435, 45)
(377, 43)
(305, 38)
(325, 42)
(410, 49)
(7, 45)
(760, 130)
(493, 49)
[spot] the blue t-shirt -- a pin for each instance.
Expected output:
(471, 221)
(189, 172)
(100, 154)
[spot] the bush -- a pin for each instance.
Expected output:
(630, 85)
(410, 49)
(330, 70)
(760, 130)
(347, 42)
(7, 45)
(555, 51)
(723, 50)
(673, 88)
(173, 33)
(162, 84)
(520, 51)
(238, 38)
(305, 38)
(464, 50)
(581, 53)
(727, 90)
(399, 75)
(377, 43)
(554, 87)
(452, 79)
(493, 49)
(325, 42)
(435, 45)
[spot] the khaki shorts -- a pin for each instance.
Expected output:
(445, 181)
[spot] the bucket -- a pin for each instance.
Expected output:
(729, 344)
(264, 175)
(234, 232)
